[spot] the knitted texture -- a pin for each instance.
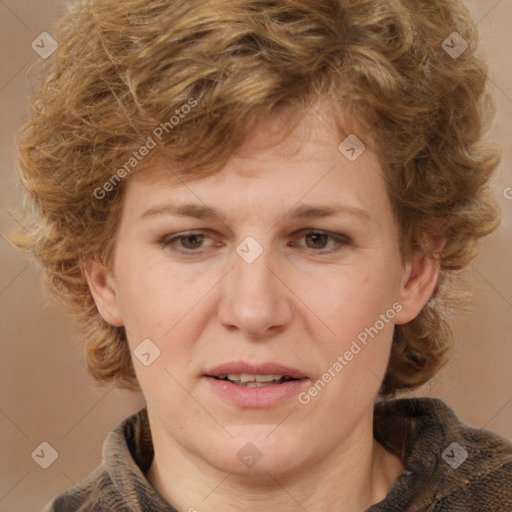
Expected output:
(474, 475)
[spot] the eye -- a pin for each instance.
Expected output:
(188, 241)
(193, 242)
(319, 239)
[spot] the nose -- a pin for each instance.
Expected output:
(255, 298)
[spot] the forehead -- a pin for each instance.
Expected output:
(274, 170)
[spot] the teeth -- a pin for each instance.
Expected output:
(245, 377)
(255, 384)
(267, 378)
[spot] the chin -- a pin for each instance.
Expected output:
(252, 451)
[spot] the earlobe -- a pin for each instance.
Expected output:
(421, 275)
(102, 290)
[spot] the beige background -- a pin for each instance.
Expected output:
(45, 392)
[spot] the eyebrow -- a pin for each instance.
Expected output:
(199, 211)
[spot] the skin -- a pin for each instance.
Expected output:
(292, 305)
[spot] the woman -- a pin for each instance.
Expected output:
(258, 211)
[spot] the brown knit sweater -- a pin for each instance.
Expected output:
(450, 467)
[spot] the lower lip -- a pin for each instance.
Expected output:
(265, 396)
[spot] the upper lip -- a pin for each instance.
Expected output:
(238, 367)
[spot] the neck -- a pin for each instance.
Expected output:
(352, 478)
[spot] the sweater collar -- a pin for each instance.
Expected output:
(417, 430)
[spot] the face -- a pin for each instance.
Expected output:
(266, 278)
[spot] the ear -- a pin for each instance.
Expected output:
(102, 286)
(421, 274)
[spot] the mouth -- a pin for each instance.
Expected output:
(254, 381)
(276, 384)
(249, 375)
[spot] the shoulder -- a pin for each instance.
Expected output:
(480, 487)
(476, 471)
(95, 493)
(126, 452)
(450, 465)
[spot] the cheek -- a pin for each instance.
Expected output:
(353, 297)
(357, 308)
(147, 301)
(160, 303)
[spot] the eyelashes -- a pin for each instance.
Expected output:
(191, 243)
(339, 240)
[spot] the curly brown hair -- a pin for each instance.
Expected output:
(124, 68)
